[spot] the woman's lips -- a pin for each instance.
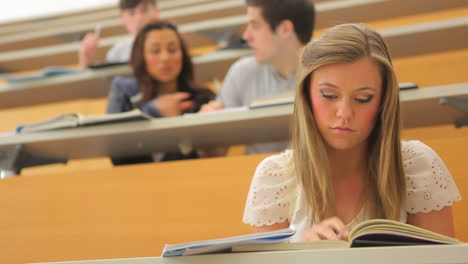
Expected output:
(342, 130)
(166, 69)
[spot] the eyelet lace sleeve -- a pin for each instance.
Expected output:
(269, 196)
(430, 185)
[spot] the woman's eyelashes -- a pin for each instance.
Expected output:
(364, 99)
(360, 99)
(157, 51)
(173, 50)
(328, 95)
(170, 49)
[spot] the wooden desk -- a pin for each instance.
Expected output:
(419, 108)
(417, 254)
(450, 68)
(63, 54)
(17, 95)
(96, 83)
(422, 107)
(96, 15)
(112, 27)
(328, 13)
(132, 211)
(126, 211)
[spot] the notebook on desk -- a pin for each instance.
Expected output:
(46, 72)
(225, 244)
(76, 120)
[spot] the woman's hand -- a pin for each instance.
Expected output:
(173, 104)
(331, 228)
(211, 107)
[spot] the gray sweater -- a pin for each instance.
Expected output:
(248, 80)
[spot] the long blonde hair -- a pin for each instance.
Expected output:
(385, 184)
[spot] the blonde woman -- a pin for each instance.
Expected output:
(347, 163)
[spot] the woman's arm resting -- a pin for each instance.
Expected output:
(436, 221)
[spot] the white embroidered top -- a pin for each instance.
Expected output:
(274, 196)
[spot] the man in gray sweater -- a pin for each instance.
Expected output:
(276, 31)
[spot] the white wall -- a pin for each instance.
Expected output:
(15, 10)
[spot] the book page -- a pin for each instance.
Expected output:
(58, 122)
(378, 229)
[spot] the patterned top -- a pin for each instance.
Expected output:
(274, 196)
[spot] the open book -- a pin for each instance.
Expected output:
(225, 244)
(75, 120)
(370, 233)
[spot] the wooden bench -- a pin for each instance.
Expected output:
(122, 212)
(132, 211)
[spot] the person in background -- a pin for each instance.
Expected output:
(134, 15)
(347, 163)
(163, 85)
(276, 31)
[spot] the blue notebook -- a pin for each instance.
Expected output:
(226, 244)
(46, 72)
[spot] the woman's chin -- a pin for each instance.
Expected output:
(165, 78)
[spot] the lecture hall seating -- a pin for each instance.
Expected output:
(93, 211)
(132, 211)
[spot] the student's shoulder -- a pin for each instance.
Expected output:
(120, 51)
(125, 84)
(125, 81)
(430, 186)
(123, 43)
(247, 65)
(277, 165)
(413, 149)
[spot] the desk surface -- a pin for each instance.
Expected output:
(417, 38)
(419, 107)
(327, 14)
(158, 135)
(96, 15)
(64, 54)
(410, 254)
(60, 35)
(95, 83)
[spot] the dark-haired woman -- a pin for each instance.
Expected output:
(163, 85)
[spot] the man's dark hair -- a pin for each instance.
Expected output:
(300, 12)
(127, 4)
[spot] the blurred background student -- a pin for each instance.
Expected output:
(276, 31)
(134, 15)
(163, 85)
